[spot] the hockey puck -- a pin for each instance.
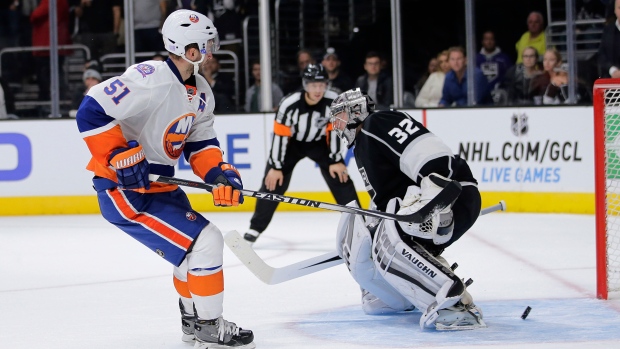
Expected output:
(526, 313)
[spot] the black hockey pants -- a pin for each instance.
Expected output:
(318, 152)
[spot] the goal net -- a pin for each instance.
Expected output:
(607, 184)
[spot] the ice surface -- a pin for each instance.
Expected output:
(79, 282)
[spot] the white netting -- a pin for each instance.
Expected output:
(612, 186)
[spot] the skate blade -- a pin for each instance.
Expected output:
(457, 327)
(188, 338)
(205, 345)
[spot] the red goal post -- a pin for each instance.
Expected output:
(607, 185)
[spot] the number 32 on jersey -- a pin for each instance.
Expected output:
(406, 129)
(112, 89)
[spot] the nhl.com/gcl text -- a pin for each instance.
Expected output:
(525, 162)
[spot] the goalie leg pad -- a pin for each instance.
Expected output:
(416, 274)
(373, 305)
(354, 246)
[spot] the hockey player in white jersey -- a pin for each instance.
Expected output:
(399, 265)
(141, 122)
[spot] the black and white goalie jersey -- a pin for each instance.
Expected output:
(296, 121)
(394, 151)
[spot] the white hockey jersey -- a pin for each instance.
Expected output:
(151, 104)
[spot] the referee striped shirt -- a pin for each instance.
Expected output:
(298, 121)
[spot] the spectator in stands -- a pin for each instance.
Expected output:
(519, 77)
(557, 92)
(7, 101)
(339, 81)
(492, 61)
(551, 60)
(609, 52)
(376, 83)
(433, 66)
(221, 84)
(252, 95)
(148, 17)
(455, 86)
(91, 77)
(534, 36)
(430, 94)
(99, 25)
(41, 37)
(304, 57)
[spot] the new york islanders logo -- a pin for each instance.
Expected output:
(191, 216)
(175, 135)
(145, 69)
(193, 18)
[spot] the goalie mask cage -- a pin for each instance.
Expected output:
(607, 185)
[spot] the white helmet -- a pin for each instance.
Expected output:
(185, 27)
(356, 106)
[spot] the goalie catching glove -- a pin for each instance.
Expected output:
(228, 182)
(440, 226)
(132, 169)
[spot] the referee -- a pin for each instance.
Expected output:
(302, 129)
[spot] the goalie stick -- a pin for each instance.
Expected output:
(272, 276)
(448, 195)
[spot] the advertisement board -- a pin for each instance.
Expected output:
(532, 150)
(522, 155)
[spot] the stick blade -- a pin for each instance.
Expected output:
(305, 267)
(248, 256)
(270, 275)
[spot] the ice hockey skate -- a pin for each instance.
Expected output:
(221, 334)
(460, 317)
(187, 324)
(251, 236)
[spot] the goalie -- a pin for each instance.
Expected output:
(398, 264)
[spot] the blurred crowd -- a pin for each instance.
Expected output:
(538, 76)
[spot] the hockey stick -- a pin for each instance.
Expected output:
(272, 276)
(449, 193)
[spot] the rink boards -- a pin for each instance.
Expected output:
(536, 159)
